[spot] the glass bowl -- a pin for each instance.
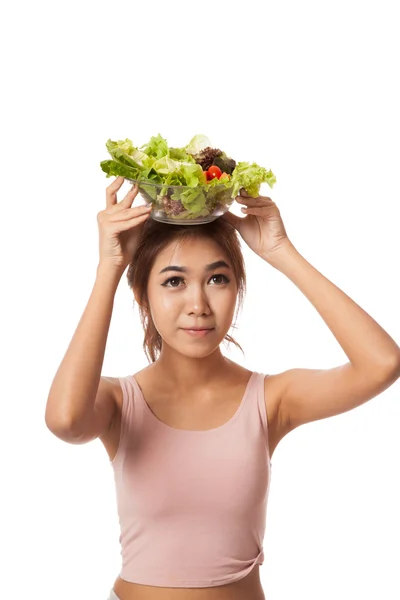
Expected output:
(181, 204)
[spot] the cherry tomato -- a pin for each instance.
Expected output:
(214, 171)
(225, 175)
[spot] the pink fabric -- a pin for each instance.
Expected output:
(191, 504)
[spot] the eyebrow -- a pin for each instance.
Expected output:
(215, 265)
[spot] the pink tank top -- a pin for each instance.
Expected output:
(191, 504)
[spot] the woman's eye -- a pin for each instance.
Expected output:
(172, 279)
(225, 280)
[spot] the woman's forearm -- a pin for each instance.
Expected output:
(74, 387)
(363, 340)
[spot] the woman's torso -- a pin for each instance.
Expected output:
(233, 388)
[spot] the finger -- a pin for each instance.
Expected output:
(259, 201)
(258, 211)
(130, 213)
(111, 191)
(126, 202)
(134, 220)
(232, 219)
(130, 196)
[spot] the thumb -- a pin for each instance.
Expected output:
(232, 219)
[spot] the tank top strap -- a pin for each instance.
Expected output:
(256, 412)
(128, 409)
(261, 401)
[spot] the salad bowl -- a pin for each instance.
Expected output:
(191, 185)
(207, 203)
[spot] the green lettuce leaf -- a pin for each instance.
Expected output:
(181, 154)
(123, 147)
(166, 165)
(116, 169)
(197, 143)
(192, 199)
(250, 177)
(157, 147)
(193, 174)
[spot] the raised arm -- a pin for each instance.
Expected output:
(374, 357)
(71, 401)
(80, 404)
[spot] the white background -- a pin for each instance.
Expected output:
(307, 89)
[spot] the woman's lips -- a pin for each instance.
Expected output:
(197, 332)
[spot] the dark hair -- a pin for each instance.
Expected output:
(154, 238)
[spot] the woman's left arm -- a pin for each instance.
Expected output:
(374, 357)
(311, 394)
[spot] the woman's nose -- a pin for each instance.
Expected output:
(197, 302)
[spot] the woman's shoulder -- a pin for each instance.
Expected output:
(272, 389)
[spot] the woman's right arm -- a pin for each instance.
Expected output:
(80, 404)
(70, 404)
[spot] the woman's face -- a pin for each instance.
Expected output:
(195, 296)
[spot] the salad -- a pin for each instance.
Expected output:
(188, 182)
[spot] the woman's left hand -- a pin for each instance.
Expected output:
(262, 229)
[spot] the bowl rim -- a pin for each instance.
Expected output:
(180, 187)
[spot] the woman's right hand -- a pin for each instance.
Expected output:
(120, 226)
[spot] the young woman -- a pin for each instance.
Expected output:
(190, 437)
